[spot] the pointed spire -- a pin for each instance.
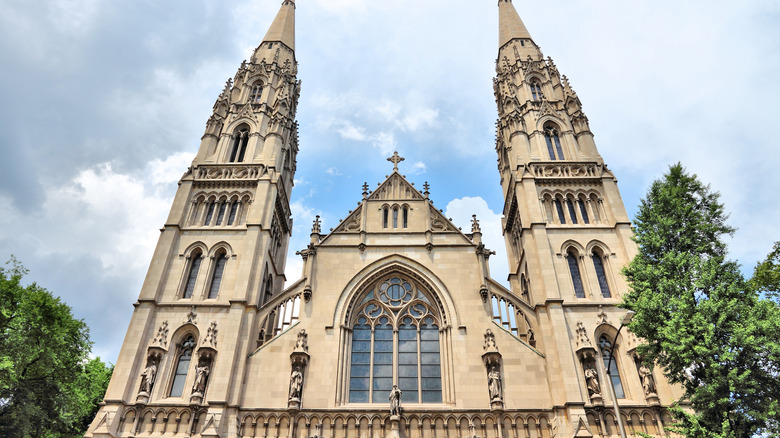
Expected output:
(510, 26)
(283, 27)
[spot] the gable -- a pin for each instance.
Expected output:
(395, 188)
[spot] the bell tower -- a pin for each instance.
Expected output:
(221, 253)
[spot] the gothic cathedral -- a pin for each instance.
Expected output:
(395, 328)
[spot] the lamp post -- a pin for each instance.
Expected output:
(624, 321)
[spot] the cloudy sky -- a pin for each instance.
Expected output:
(103, 103)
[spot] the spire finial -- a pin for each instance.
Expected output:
(426, 187)
(365, 189)
(315, 228)
(395, 159)
(475, 224)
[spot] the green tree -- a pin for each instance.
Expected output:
(48, 385)
(702, 322)
(766, 275)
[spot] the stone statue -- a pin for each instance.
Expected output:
(395, 401)
(648, 381)
(494, 384)
(201, 373)
(296, 383)
(147, 377)
(490, 340)
(592, 380)
(302, 342)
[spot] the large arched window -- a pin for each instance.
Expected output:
(601, 274)
(606, 351)
(574, 270)
(553, 139)
(216, 276)
(240, 140)
(395, 341)
(536, 89)
(192, 274)
(256, 96)
(182, 366)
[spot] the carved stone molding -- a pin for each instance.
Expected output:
(229, 172)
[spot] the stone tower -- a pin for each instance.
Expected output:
(396, 328)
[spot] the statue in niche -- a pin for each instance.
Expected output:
(592, 380)
(648, 381)
(395, 401)
(494, 384)
(148, 376)
(296, 383)
(302, 342)
(490, 340)
(201, 374)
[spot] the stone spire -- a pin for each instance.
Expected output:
(283, 28)
(510, 26)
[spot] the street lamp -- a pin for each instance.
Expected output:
(623, 322)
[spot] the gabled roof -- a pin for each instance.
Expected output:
(395, 188)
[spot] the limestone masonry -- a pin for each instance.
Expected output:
(396, 328)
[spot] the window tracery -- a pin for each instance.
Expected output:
(240, 141)
(395, 340)
(553, 140)
(605, 345)
(182, 368)
(256, 96)
(536, 89)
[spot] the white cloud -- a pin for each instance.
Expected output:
(418, 168)
(332, 171)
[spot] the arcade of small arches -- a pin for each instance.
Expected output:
(219, 209)
(395, 216)
(573, 208)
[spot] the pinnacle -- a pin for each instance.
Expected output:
(510, 26)
(283, 27)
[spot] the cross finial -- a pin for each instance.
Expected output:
(365, 189)
(315, 228)
(395, 159)
(426, 186)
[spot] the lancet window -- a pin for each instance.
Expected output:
(395, 340)
(240, 141)
(216, 275)
(601, 274)
(606, 351)
(385, 212)
(182, 367)
(256, 96)
(196, 259)
(583, 211)
(553, 139)
(536, 89)
(574, 270)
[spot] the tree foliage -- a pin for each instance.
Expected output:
(48, 385)
(702, 322)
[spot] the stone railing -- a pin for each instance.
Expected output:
(212, 172)
(567, 170)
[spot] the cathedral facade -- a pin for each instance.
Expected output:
(396, 327)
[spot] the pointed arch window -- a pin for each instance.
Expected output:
(583, 211)
(395, 217)
(257, 93)
(216, 276)
(601, 275)
(233, 211)
(553, 139)
(559, 210)
(606, 351)
(182, 367)
(209, 212)
(406, 217)
(240, 140)
(574, 270)
(384, 217)
(192, 275)
(395, 340)
(572, 213)
(221, 212)
(536, 89)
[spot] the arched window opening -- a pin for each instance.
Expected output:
(536, 90)
(192, 276)
(559, 210)
(606, 351)
(524, 288)
(504, 314)
(182, 367)
(269, 288)
(256, 96)
(395, 217)
(601, 274)
(576, 278)
(395, 341)
(553, 139)
(288, 314)
(241, 138)
(216, 277)
(572, 213)
(583, 211)
(221, 212)
(406, 217)
(209, 213)
(384, 217)
(233, 211)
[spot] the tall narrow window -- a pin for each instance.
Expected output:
(233, 211)
(606, 351)
(559, 209)
(209, 213)
(584, 211)
(269, 288)
(601, 274)
(216, 277)
(395, 217)
(241, 138)
(536, 89)
(182, 367)
(402, 349)
(221, 213)
(553, 140)
(289, 311)
(257, 93)
(576, 278)
(406, 217)
(384, 217)
(504, 314)
(192, 276)
(572, 213)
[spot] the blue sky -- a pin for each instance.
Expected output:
(104, 103)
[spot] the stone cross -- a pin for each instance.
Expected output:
(395, 159)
